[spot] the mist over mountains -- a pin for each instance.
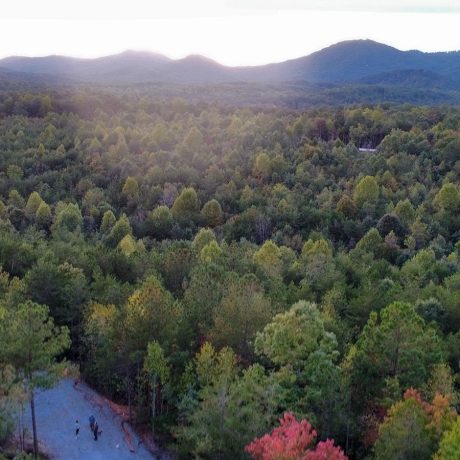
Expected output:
(350, 72)
(357, 61)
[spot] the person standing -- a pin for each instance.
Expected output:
(95, 430)
(77, 428)
(92, 420)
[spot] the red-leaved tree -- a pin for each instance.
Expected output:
(293, 440)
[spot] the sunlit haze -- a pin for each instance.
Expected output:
(238, 32)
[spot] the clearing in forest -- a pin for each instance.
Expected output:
(57, 411)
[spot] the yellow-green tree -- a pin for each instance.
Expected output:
(33, 203)
(30, 342)
(268, 258)
(448, 198)
(131, 189)
(158, 371)
(367, 191)
(212, 212)
(449, 445)
(186, 204)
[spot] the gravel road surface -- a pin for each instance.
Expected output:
(58, 409)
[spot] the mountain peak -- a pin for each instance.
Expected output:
(349, 61)
(142, 54)
(198, 59)
(361, 42)
(363, 46)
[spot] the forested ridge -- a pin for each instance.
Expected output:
(349, 61)
(231, 273)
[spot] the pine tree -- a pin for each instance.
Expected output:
(30, 342)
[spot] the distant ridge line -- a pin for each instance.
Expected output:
(352, 61)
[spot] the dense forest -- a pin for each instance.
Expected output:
(253, 282)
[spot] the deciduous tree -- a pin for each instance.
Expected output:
(293, 440)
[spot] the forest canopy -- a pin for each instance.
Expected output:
(233, 272)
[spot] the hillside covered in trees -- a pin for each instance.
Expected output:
(347, 61)
(247, 280)
(348, 72)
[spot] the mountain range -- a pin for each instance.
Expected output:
(356, 62)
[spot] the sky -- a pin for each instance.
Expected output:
(233, 32)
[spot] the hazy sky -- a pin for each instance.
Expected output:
(234, 32)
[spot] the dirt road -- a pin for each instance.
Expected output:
(58, 409)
